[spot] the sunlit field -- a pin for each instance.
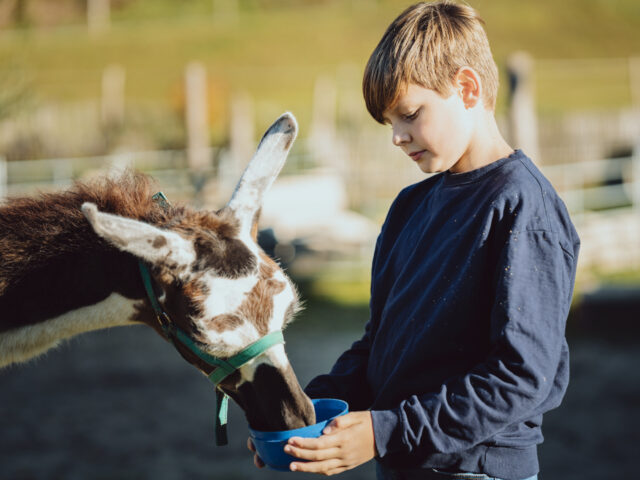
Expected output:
(275, 50)
(121, 403)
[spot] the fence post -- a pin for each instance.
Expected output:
(242, 132)
(197, 120)
(349, 134)
(634, 80)
(98, 16)
(197, 117)
(3, 178)
(523, 124)
(322, 138)
(635, 178)
(112, 101)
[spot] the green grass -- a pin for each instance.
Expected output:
(346, 284)
(275, 50)
(329, 308)
(622, 278)
(345, 292)
(352, 292)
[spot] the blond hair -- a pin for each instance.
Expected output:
(427, 45)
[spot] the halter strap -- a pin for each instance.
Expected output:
(222, 367)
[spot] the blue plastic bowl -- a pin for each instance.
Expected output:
(270, 445)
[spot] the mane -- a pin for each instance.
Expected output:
(33, 230)
(128, 194)
(36, 229)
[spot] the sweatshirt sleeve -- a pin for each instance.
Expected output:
(348, 377)
(533, 289)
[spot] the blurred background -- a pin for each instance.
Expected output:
(183, 89)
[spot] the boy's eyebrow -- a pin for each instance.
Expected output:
(391, 109)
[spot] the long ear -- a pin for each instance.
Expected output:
(157, 246)
(263, 169)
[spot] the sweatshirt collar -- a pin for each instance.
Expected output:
(451, 179)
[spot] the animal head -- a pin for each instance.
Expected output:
(217, 285)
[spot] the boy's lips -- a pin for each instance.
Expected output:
(415, 156)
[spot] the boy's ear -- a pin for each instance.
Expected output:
(468, 86)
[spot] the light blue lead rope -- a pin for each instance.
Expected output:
(222, 368)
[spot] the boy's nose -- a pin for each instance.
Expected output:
(400, 137)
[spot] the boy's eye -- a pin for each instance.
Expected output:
(411, 116)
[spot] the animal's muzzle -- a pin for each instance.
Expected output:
(275, 401)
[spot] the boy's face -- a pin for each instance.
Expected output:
(435, 132)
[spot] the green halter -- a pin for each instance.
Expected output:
(222, 367)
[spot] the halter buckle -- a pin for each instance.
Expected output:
(165, 323)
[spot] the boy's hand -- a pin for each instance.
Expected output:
(346, 442)
(257, 461)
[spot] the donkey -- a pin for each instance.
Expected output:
(71, 262)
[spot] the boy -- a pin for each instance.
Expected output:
(472, 278)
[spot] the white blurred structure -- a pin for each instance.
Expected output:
(98, 16)
(347, 163)
(314, 208)
(523, 123)
(196, 116)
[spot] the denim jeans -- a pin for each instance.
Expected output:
(433, 474)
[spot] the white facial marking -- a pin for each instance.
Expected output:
(225, 298)
(274, 356)
(226, 294)
(229, 343)
(21, 344)
(281, 303)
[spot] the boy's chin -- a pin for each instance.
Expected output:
(430, 163)
(429, 166)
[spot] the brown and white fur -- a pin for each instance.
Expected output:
(69, 264)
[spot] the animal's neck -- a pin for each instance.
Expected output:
(28, 341)
(65, 283)
(58, 279)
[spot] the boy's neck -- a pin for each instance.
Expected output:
(487, 145)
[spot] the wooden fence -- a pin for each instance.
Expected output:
(603, 196)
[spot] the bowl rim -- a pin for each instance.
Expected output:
(279, 435)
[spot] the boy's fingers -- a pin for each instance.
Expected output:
(313, 455)
(316, 467)
(319, 443)
(250, 445)
(257, 461)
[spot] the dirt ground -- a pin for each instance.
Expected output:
(122, 404)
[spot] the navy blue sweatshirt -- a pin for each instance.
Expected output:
(465, 348)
